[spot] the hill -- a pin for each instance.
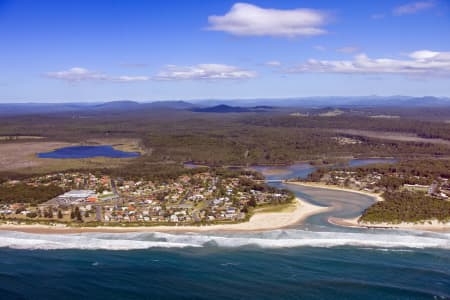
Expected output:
(222, 108)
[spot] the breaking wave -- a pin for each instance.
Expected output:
(274, 239)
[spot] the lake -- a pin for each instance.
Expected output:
(87, 152)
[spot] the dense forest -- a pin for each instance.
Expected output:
(28, 194)
(407, 206)
(424, 129)
(171, 137)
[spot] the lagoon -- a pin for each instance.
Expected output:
(75, 152)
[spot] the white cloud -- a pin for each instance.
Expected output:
(423, 55)
(273, 63)
(413, 8)
(424, 62)
(250, 20)
(348, 49)
(171, 72)
(77, 74)
(130, 78)
(204, 72)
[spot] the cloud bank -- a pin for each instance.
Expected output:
(78, 74)
(250, 20)
(423, 62)
(413, 8)
(204, 72)
(170, 72)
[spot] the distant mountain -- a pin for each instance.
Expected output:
(40, 108)
(170, 104)
(319, 102)
(227, 106)
(92, 107)
(131, 105)
(117, 105)
(222, 108)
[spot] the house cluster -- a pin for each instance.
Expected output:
(75, 181)
(202, 197)
(374, 182)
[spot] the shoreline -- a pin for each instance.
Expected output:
(262, 221)
(375, 196)
(435, 225)
(268, 165)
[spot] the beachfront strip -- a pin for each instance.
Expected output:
(98, 199)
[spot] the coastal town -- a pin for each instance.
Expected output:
(95, 199)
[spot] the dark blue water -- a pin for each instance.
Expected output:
(301, 170)
(214, 273)
(88, 152)
(311, 261)
(370, 161)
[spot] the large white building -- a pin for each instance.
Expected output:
(78, 194)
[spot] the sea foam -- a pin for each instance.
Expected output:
(274, 239)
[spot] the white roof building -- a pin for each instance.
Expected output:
(78, 194)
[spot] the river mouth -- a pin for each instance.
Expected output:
(342, 204)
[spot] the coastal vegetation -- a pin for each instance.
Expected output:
(407, 206)
(413, 190)
(20, 192)
(169, 137)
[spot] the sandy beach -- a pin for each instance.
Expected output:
(377, 197)
(258, 222)
(431, 225)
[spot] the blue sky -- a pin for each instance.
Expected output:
(54, 51)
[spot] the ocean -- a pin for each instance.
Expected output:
(276, 265)
(315, 260)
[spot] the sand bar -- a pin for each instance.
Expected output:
(377, 197)
(431, 225)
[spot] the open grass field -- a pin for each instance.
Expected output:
(394, 136)
(20, 156)
(281, 208)
(19, 137)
